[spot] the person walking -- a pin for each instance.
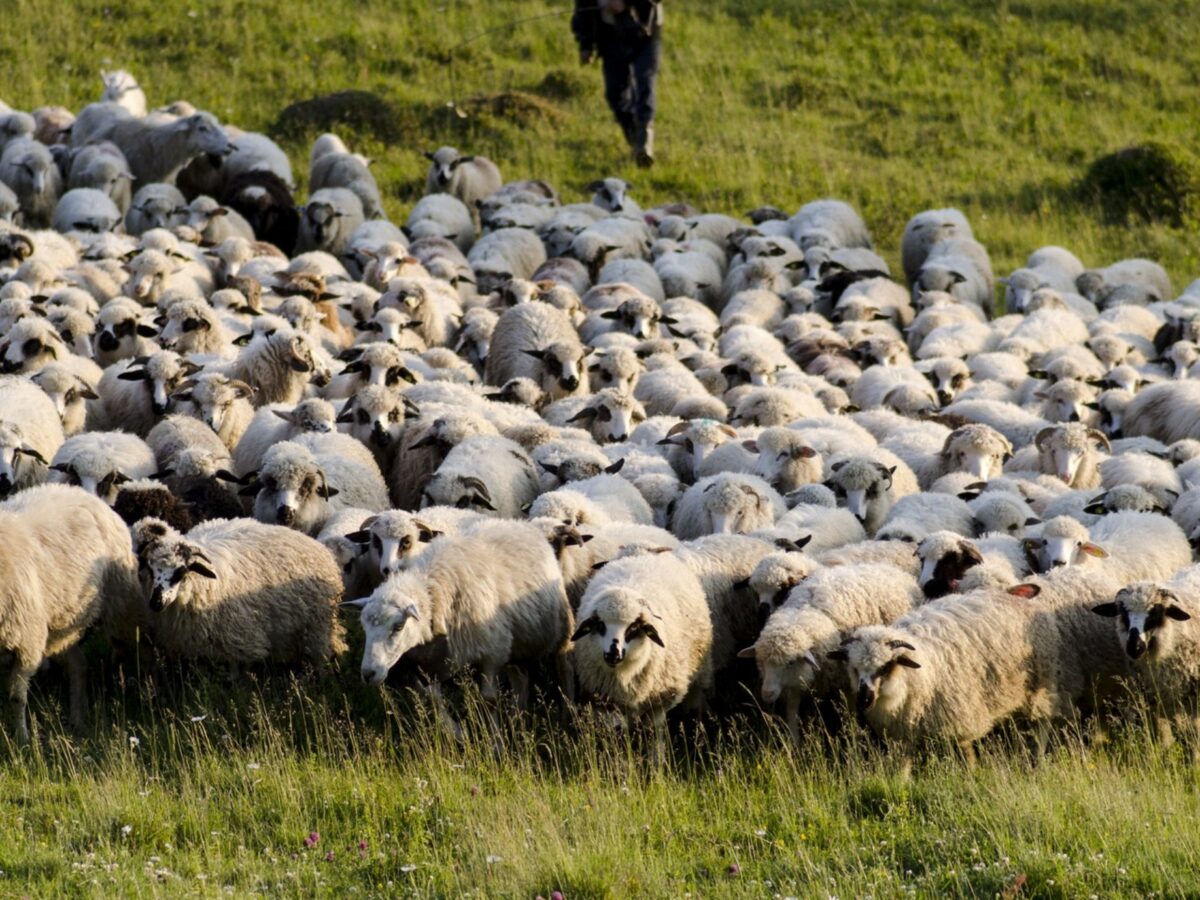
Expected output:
(626, 34)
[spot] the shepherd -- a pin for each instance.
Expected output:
(626, 34)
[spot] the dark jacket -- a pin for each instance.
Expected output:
(641, 18)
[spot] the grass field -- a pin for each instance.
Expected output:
(190, 787)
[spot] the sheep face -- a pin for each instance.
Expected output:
(376, 416)
(104, 485)
(15, 456)
(734, 508)
(976, 449)
(948, 380)
(163, 374)
(395, 538)
(562, 368)
(148, 274)
(118, 328)
(292, 490)
(1063, 543)
(792, 668)
(68, 392)
(864, 488)
(443, 163)
(945, 559)
(610, 194)
(214, 397)
(459, 491)
(205, 135)
(620, 629)
(31, 344)
(875, 659)
(611, 415)
(169, 563)
(394, 619)
(638, 316)
(381, 365)
(1144, 613)
(618, 368)
(1063, 450)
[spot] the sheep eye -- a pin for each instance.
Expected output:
(397, 628)
(606, 376)
(363, 417)
(270, 484)
(604, 414)
(405, 543)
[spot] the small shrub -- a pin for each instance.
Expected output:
(1153, 181)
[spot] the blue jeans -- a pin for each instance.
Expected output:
(630, 68)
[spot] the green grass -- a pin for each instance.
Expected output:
(995, 108)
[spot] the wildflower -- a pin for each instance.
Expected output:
(313, 838)
(197, 719)
(329, 856)
(492, 859)
(253, 767)
(126, 830)
(134, 742)
(734, 870)
(408, 867)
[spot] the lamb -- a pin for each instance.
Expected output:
(134, 393)
(67, 563)
(239, 592)
(1155, 624)
(86, 209)
(31, 433)
(792, 649)
(728, 503)
(954, 668)
(444, 216)
(101, 461)
(488, 473)
(154, 206)
(329, 219)
(222, 403)
(612, 196)
(300, 488)
(28, 169)
(629, 605)
(469, 178)
(503, 255)
(278, 422)
(349, 171)
(153, 273)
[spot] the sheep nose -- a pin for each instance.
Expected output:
(368, 675)
(8, 367)
(1136, 645)
(612, 656)
(156, 600)
(866, 698)
(379, 437)
(5, 485)
(770, 694)
(285, 515)
(569, 383)
(945, 398)
(108, 342)
(1074, 416)
(159, 408)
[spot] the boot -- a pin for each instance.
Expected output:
(643, 151)
(629, 129)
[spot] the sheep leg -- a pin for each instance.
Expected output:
(969, 755)
(1162, 730)
(791, 703)
(433, 690)
(566, 675)
(18, 698)
(518, 680)
(659, 723)
(76, 674)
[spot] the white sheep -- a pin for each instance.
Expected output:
(329, 219)
(469, 178)
(237, 592)
(122, 88)
(729, 503)
(349, 171)
(67, 564)
(101, 461)
(86, 209)
(28, 169)
(491, 474)
(31, 433)
(444, 216)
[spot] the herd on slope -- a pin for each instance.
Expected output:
(655, 454)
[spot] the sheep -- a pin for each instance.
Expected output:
(67, 564)
(785, 460)
(792, 649)
(1154, 623)
(1169, 411)
(240, 592)
(444, 216)
(1001, 512)
(300, 488)
(152, 274)
(221, 402)
(728, 503)
(631, 604)
(175, 434)
(70, 395)
(122, 332)
(191, 326)
(1147, 278)
(951, 670)
(916, 516)
(831, 224)
(86, 209)
(506, 617)
(257, 154)
(469, 178)
(216, 223)
(154, 206)
(612, 196)
(1069, 452)
(123, 89)
(29, 171)
(503, 255)
(134, 393)
(769, 406)
(280, 422)
(279, 366)
(926, 229)
(607, 239)
(328, 220)
(31, 433)
(534, 340)
(1018, 425)
(487, 473)
(610, 415)
(868, 487)
(157, 151)
(689, 274)
(264, 200)
(349, 171)
(101, 461)
(605, 498)
(961, 268)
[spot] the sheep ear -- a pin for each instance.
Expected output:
(199, 568)
(536, 354)
(748, 653)
(355, 604)
(594, 186)
(1108, 610)
(428, 154)
(359, 537)
(32, 454)
(1028, 591)
(147, 331)
(425, 533)
(908, 662)
(752, 446)
(611, 314)
(1093, 550)
(642, 628)
(134, 375)
(289, 418)
(839, 655)
(678, 428)
(1031, 521)
(837, 465)
(1174, 612)
(584, 415)
(615, 467)
(741, 585)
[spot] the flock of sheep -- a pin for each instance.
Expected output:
(641, 455)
